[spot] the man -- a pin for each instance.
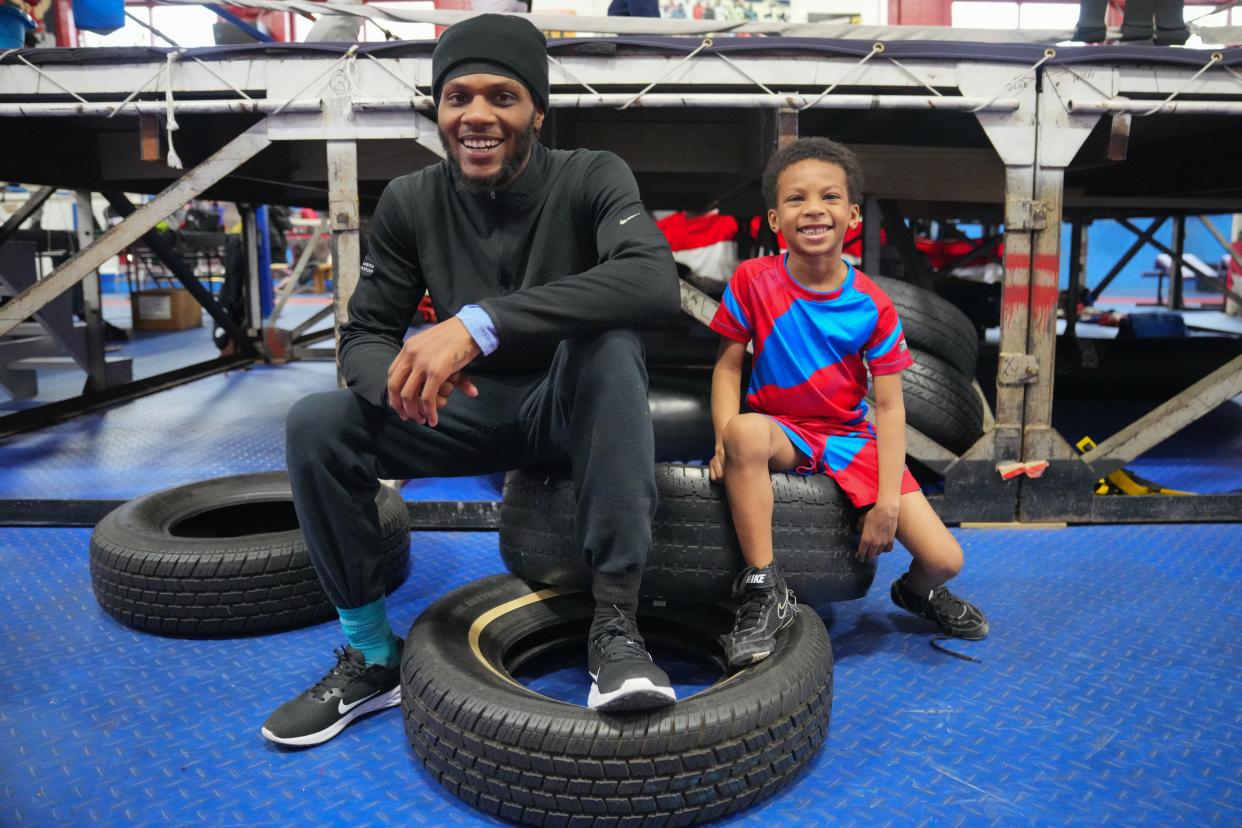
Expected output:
(538, 261)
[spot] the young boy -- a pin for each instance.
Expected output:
(817, 325)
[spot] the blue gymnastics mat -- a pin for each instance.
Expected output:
(1108, 693)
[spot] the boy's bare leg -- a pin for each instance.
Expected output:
(937, 557)
(936, 553)
(754, 446)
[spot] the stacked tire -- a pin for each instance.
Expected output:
(940, 396)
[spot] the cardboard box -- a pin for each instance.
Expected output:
(165, 309)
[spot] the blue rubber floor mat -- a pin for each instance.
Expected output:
(1099, 698)
(226, 424)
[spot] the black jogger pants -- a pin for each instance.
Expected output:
(589, 409)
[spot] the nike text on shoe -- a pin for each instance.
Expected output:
(350, 689)
(623, 676)
(955, 616)
(765, 607)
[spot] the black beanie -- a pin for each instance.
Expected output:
(495, 44)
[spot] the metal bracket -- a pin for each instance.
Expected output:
(1026, 214)
(1017, 369)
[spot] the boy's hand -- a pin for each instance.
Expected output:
(715, 469)
(879, 528)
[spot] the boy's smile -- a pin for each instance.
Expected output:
(813, 211)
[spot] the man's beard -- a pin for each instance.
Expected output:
(510, 167)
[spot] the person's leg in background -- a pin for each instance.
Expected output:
(594, 407)
(1136, 24)
(1091, 27)
(634, 8)
(1170, 23)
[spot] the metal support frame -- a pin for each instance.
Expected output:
(917, 272)
(1223, 384)
(1177, 299)
(1233, 254)
(425, 515)
(250, 245)
(872, 228)
(33, 203)
(1077, 263)
(185, 275)
(1035, 131)
(1144, 238)
(92, 304)
(228, 158)
(343, 218)
(58, 412)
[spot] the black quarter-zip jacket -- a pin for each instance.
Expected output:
(567, 250)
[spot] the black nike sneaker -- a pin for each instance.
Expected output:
(765, 607)
(955, 616)
(350, 689)
(623, 676)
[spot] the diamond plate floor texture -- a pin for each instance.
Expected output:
(1108, 693)
(230, 423)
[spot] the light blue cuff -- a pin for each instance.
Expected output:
(481, 328)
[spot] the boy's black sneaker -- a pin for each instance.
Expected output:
(765, 607)
(956, 616)
(350, 689)
(623, 676)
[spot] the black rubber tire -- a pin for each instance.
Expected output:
(942, 403)
(695, 554)
(155, 565)
(681, 414)
(530, 759)
(934, 324)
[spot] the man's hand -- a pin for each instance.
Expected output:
(428, 370)
(715, 469)
(879, 527)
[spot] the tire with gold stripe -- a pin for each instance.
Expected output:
(524, 757)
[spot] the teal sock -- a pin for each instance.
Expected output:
(367, 631)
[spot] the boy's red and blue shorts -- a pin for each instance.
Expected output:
(846, 454)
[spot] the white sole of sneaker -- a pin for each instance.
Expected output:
(384, 700)
(633, 694)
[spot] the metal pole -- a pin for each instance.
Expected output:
(96, 366)
(559, 101)
(264, 237)
(1179, 244)
(1015, 367)
(1038, 442)
(343, 218)
(250, 243)
(1077, 262)
(873, 226)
